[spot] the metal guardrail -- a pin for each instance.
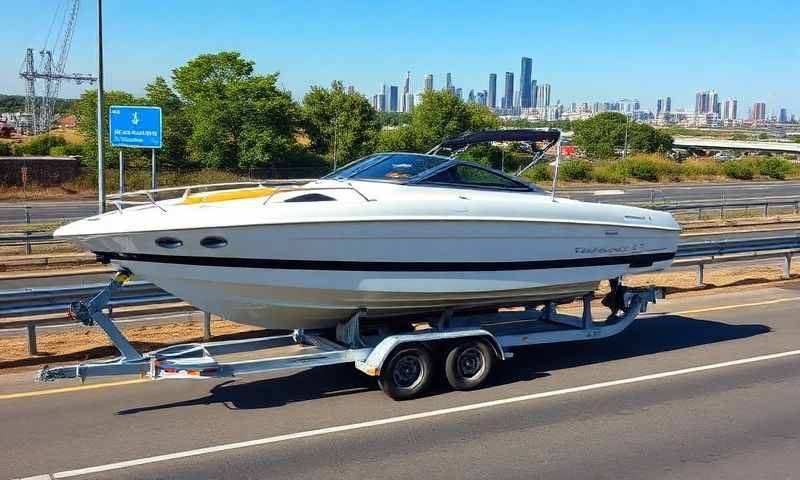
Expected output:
(732, 246)
(723, 206)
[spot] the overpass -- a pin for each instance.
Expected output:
(742, 145)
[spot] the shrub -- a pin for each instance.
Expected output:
(576, 170)
(608, 172)
(701, 168)
(540, 173)
(773, 167)
(40, 145)
(5, 149)
(68, 150)
(740, 169)
(650, 168)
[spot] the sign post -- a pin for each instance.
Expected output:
(135, 127)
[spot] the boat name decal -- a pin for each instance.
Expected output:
(636, 247)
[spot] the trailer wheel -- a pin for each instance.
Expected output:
(469, 364)
(407, 373)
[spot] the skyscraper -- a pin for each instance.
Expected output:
(381, 101)
(393, 97)
(783, 116)
(351, 89)
(729, 112)
(459, 93)
(759, 113)
(543, 95)
(409, 101)
(526, 70)
(533, 93)
(404, 107)
(707, 102)
(449, 83)
(668, 104)
(508, 97)
(471, 96)
(428, 83)
(491, 100)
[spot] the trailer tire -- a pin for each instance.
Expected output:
(469, 364)
(407, 373)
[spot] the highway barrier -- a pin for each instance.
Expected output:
(20, 308)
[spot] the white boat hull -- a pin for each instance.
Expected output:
(313, 275)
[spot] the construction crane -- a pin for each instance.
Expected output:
(40, 110)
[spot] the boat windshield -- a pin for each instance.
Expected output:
(390, 167)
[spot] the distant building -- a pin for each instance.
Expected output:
(707, 102)
(663, 105)
(393, 98)
(449, 83)
(480, 98)
(404, 106)
(409, 102)
(526, 70)
(534, 104)
(491, 99)
(459, 93)
(471, 96)
(783, 116)
(508, 97)
(729, 112)
(428, 83)
(543, 96)
(351, 89)
(759, 112)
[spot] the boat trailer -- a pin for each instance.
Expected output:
(465, 344)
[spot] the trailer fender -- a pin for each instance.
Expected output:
(374, 362)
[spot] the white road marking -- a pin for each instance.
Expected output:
(609, 192)
(406, 418)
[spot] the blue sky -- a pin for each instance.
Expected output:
(587, 50)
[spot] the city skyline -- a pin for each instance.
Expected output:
(631, 62)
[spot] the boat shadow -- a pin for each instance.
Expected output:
(643, 337)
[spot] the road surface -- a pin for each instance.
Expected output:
(50, 211)
(703, 387)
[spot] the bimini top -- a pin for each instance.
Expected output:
(528, 135)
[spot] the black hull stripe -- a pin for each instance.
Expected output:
(634, 261)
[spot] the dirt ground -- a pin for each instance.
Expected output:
(90, 343)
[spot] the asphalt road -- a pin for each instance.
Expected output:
(548, 413)
(50, 211)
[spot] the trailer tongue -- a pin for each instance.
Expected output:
(404, 362)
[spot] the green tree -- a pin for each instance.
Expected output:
(175, 124)
(440, 115)
(5, 149)
(85, 109)
(604, 136)
(238, 118)
(332, 114)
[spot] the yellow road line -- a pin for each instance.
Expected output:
(728, 307)
(52, 391)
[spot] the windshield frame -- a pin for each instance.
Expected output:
(419, 179)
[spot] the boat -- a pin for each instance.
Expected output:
(392, 234)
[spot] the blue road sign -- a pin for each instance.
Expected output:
(134, 126)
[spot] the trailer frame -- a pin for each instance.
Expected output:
(402, 361)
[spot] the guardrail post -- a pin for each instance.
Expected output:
(787, 266)
(699, 277)
(32, 339)
(206, 326)
(722, 212)
(699, 213)
(27, 214)
(27, 243)
(766, 208)
(796, 207)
